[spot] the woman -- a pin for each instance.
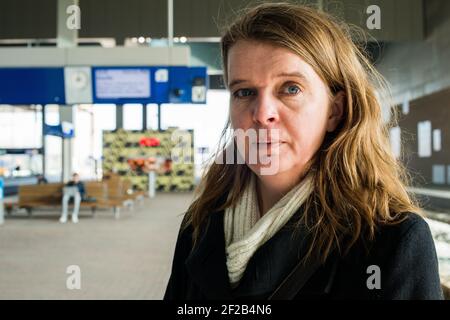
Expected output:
(322, 212)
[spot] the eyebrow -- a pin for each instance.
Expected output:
(283, 74)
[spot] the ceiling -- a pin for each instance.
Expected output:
(402, 20)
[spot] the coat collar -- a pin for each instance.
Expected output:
(207, 263)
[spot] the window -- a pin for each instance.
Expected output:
(20, 127)
(437, 143)
(132, 116)
(424, 139)
(395, 138)
(152, 116)
(439, 174)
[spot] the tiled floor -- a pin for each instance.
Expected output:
(128, 258)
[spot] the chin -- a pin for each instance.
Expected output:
(282, 167)
(272, 169)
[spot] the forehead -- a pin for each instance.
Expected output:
(252, 60)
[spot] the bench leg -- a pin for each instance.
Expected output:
(29, 212)
(116, 212)
(129, 204)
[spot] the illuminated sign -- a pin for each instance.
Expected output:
(127, 83)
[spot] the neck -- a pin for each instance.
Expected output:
(270, 189)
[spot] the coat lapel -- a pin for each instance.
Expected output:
(276, 259)
(321, 282)
(207, 263)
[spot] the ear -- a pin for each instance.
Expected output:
(336, 111)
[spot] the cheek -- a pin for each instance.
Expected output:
(240, 119)
(307, 131)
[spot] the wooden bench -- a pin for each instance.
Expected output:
(118, 190)
(122, 187)
(50, 196)
(100, 191)
(132, 194)
(42, 195)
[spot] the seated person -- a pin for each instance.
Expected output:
(75, 182)
(78, 194)
(41, 179)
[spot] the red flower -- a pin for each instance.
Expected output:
(149, 142)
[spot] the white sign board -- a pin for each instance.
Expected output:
(198, 94)
(424, 139)
(162, 75)
(78, 85)
(396, 142)
(122, 83)
(437, 143)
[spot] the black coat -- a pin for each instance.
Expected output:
(404, 253)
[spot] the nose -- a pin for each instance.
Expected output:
(265, 112)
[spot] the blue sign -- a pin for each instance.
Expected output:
(115, 84)
(29, 151)
(162, 84)
(32, 86)
(121, 85)
(2, 184)
(64, 130)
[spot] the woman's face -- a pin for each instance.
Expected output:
(273, 89)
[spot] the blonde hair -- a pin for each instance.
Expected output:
(358, 183)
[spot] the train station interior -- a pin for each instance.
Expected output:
(128, 97)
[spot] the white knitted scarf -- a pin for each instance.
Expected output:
(245, 231)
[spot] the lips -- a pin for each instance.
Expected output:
(270, 149)
(268, 146)
(268, 142)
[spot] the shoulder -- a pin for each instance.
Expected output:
(409, 233)
(408, 260)
(211, 225)
(403, 259)
(185, 232)
(412, 221)
(179, 282)
(178, 277)
(411, 229)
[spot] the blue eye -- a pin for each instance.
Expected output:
(243, 93)
(292, 90)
